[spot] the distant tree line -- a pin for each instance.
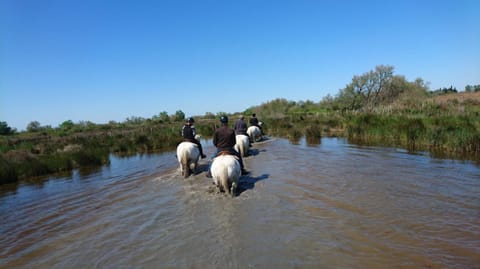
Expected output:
(472, 88)
(374, 91)
(451, 89)
(365, 93)
(444, 91)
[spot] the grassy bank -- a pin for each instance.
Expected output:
(448, 136)
(34, 154)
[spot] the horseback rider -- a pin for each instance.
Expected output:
(240, 126)
(254, 122)
(224, 140)
(189, 133)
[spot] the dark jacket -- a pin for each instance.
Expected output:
(253, 121)
(240, 127)
(188, 132)
(224, 138)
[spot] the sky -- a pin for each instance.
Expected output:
(107, 60)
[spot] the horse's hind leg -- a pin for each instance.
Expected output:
(223, 186)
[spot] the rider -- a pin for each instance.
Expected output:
(224, 140)
(189, 133)
(240, 126)
(254, 122)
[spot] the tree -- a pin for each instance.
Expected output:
(444, 90)
(134, 120)
(328, 102)
(368, 90)
(163, 116)
(209, 115)
(474, 88)
(67, 125)
(179, 115)
(5, 129)
(34, 126)
(378, 87)
(348, 98)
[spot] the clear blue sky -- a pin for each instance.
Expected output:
(99, 60)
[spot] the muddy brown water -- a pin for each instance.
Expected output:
(331, 205)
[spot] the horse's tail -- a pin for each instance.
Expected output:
(185, 166)
(224, 177)
(184, 163)
(241, 150)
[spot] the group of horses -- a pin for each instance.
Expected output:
(225, 168)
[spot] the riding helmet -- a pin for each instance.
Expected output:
(191, 120)
(224, 119)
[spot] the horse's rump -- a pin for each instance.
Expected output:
(225, 171)
(188, 155)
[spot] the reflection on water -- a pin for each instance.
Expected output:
(308, 205)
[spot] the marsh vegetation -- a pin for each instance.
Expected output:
(376, 108)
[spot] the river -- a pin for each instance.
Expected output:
(327, 205)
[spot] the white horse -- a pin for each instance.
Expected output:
(226, 171)
(242, 145)
(188, 155)
(254, 133)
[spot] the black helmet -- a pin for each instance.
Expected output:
(224, 119)
(191, 120)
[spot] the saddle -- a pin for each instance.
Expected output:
(190, 140)
(226, 152)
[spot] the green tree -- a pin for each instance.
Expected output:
(134, 120)
(472, 88)
(179, 115)
(376, 88)
(348, 99)
(163, 116)
(209, 115)
(34, 126)
(67, 125)
(5, 129)
(369, 88)
(444, 90)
